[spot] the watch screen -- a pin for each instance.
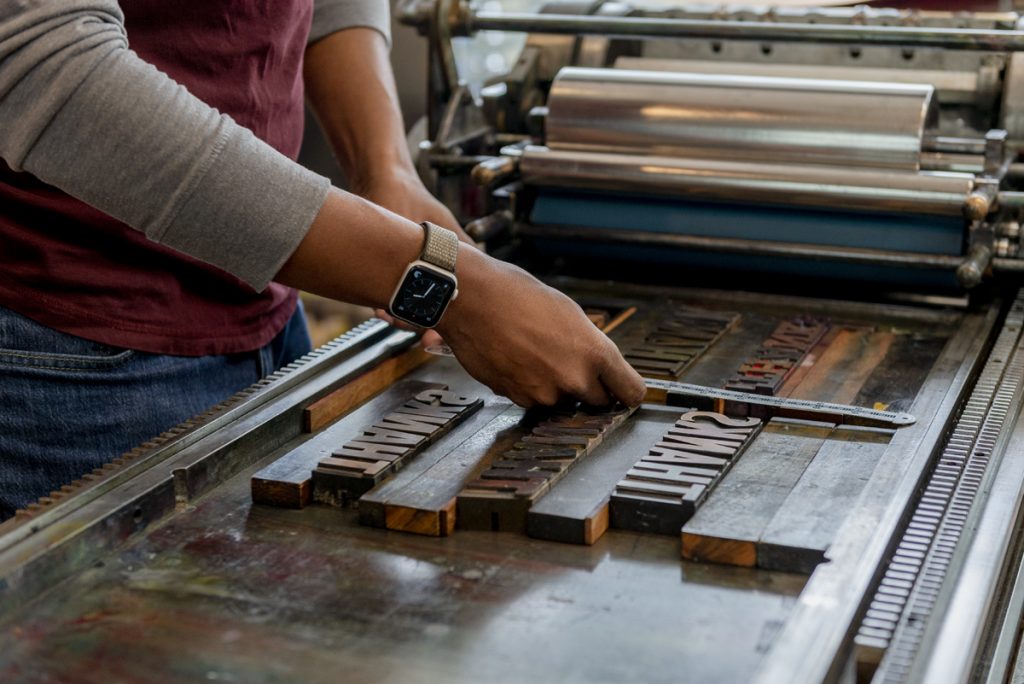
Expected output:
(423, 296)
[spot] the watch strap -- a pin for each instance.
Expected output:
(441, 246)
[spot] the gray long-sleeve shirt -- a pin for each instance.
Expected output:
(81, 111)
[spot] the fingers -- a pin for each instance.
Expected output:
(621, 380)
(594, 394)
(431, 338)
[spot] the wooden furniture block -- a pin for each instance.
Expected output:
(768, 512)
(800, 532)
(421, 498)
(382, 447)
(354, 393)
(730, 523)
(575, 510)
(502, 494)
(287, 482)
(843, 367)
(664, 488)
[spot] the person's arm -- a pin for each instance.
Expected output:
(351, 89)
(520, 337)
(82, 112)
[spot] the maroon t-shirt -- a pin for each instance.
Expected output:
(73, 268)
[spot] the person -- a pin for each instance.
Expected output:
(154, 223)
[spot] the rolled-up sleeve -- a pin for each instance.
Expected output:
(81, 111)
(330, 16)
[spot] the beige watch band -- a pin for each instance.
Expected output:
(441, 246)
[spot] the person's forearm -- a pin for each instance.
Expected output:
(365, 265)
(351, 89)
(514, 334)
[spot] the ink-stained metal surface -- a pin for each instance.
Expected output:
(161, 583)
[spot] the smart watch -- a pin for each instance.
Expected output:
(428, 284)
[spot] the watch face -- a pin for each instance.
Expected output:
(423, 296)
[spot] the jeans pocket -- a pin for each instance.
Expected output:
(27, 344)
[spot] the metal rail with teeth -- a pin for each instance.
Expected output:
(101, 479)
(64, 534)
(894, 625)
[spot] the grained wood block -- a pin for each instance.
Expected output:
(778, 356)
(783, 502)
(665, 487)
(499, 498)
(421, 499)
(671, 341)
(575, 510)
(287, 482)
(729, 525)
(382, 447)
(801, 531)
(354, 393)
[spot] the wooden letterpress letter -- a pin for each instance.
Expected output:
(382, 447)
(778, 356)
(666, 486)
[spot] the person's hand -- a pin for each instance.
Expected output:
(530, 342)
(511, 332)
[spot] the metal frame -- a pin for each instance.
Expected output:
(636, 27)
(816, 643)
(40, 551)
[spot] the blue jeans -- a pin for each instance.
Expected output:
(68, 405)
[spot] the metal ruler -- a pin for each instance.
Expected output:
(743, 403)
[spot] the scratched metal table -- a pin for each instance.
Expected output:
(164, 571)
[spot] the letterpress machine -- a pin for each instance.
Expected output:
(802, 225)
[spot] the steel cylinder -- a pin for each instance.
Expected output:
(751, 118)
(837, 187)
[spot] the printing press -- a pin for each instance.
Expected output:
(802, 225)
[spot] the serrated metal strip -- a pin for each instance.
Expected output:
(918, 566)
(109, 470)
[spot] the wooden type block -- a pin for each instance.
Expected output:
(287, 482)
(354, 393)
(778, 356)
(575, 510)
(383, 447)
(800, 532)
(810, 363)
(670, 344)
(718, 364)
(420, 498)
(655, 512)
(729, 524)
(499, 498)
(497, 505)
(348, 465)
(664, 488)
(834, 371)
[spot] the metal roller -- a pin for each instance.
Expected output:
(951, 86)
(936, 193)
(755, 118)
